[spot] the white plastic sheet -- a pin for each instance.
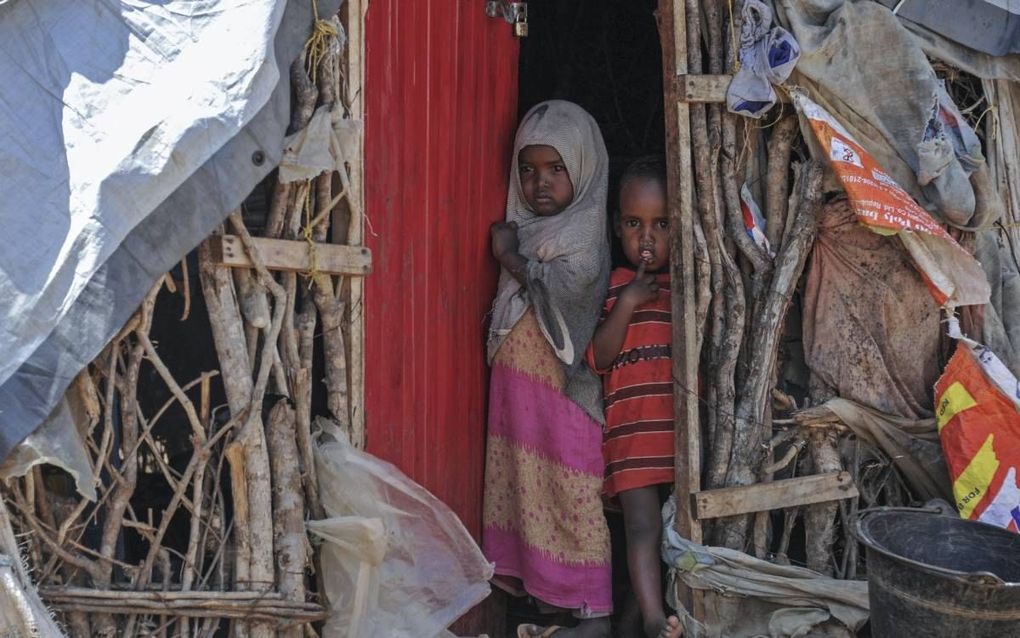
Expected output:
(396, 562)
(34, 47)
(59, 441)
(107, 108)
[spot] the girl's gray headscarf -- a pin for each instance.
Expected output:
(568, 253)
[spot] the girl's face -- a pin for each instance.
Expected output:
(544, 180)
(644, 223)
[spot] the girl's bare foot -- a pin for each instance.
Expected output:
(590, 628)
(535, 631)
(671, 629)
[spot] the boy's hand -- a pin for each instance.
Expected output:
(504, 239)
(611, 333)
(641, 290)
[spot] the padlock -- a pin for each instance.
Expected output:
(515, 13)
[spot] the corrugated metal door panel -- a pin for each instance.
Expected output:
(440, 109)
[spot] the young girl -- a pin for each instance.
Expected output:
(632, 349)
(543, 523)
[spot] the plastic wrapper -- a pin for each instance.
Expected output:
(754, 221)
(396, 561)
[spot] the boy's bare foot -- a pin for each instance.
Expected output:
(672, 628)
(665, 628)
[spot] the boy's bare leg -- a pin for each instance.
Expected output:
(642, 521)
(629, 623)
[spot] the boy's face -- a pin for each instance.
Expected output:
(544, 180)
(644, 223)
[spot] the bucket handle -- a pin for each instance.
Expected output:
(898, 508)
(970, 578)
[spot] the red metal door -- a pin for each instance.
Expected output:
(440, 110)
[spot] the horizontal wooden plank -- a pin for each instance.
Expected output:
(703, 88)
(295, 256)
(762, 497)
(708, 88)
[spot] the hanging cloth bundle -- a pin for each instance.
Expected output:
(767, 57)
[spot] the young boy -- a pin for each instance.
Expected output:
(631, 350)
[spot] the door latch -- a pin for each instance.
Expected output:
(515, 13)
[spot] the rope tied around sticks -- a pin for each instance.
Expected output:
(307, 232)
(318, 43)
(322, 38)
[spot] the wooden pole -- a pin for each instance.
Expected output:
(354, 98)
(777, 183)
(673, 37)
(672, 33)
(289, 536)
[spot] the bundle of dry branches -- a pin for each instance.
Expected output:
(744, 293)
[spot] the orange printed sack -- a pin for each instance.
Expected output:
(952, 275)
(977, 405)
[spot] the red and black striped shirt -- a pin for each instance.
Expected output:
(638, 388)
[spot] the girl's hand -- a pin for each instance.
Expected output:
(504, 239)
(641, 290)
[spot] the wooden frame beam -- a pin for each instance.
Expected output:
(703, 88)
(708, 89)
(293, 256)
(762, 497)
(265, 606)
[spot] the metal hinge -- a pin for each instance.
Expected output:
(515, 13)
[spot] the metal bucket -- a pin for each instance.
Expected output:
(931, 575)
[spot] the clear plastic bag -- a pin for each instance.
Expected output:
(396, 561)
(22, 612)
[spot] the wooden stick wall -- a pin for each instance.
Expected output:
(282, 308)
